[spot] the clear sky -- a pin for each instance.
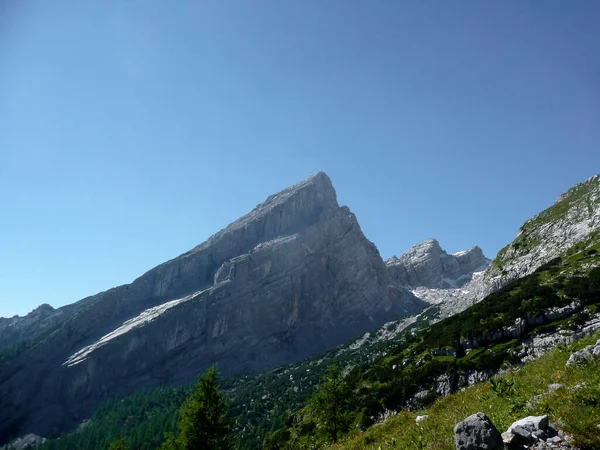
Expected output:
(132, 130)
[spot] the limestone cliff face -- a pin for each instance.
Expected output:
(293, 277)
(574, 218)
(427, 265)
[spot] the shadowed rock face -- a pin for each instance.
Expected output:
(427, 265)
(292, 278)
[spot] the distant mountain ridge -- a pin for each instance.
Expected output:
(428, 265)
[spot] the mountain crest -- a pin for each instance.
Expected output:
(573, 218)
(428, 265)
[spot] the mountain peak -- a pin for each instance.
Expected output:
(427, 264)
(591, 182)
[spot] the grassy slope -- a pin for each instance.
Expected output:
(578, 203)
(578, 410)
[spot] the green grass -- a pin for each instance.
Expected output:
(578, 410)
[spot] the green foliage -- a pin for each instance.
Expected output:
(121, 444)
(202, 425)
(141, 419)
(503, 386)
(332, 404)
(572, 406)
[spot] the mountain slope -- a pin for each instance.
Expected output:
(545, 305)
(573, 217)
(293, 277)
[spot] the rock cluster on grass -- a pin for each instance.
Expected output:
(533, 432)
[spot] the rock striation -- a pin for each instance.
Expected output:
(292, 278)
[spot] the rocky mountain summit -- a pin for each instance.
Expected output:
(293, 277)
(428, 265)
(450, 282)
(431, 274)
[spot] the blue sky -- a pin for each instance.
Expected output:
(132, 130)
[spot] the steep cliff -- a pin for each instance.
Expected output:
(293, 277)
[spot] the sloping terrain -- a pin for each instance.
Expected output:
(294, 277)
(554, 306)
(572, 218)
(569, 397)
(404, 364)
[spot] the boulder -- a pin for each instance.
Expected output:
(532, 424)
(526, 431)
(477, 432)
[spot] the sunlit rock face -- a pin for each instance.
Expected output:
(427, 265)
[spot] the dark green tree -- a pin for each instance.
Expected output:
(202, 424)
(332, 404)
(121, 444)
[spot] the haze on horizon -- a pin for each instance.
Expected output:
(131, 131)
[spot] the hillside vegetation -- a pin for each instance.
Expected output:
(576, 406)
(562, 294)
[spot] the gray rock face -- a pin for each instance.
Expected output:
(572, 219)
(293, 277)
(40, 322)
(28, 441)
(17, 329)
(427, 265)
(527, 431)
(477, 432)
(533, 424)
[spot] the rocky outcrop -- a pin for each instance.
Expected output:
(533, 432)
(28, 441)
(428, 265)
(572, 219)
(293, 277)
(586, 354)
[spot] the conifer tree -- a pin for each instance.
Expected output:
(202, 424)
(332, 403)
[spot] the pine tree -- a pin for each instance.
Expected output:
(332, 403)
(202, 424)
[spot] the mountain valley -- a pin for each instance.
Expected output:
(287, 290)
